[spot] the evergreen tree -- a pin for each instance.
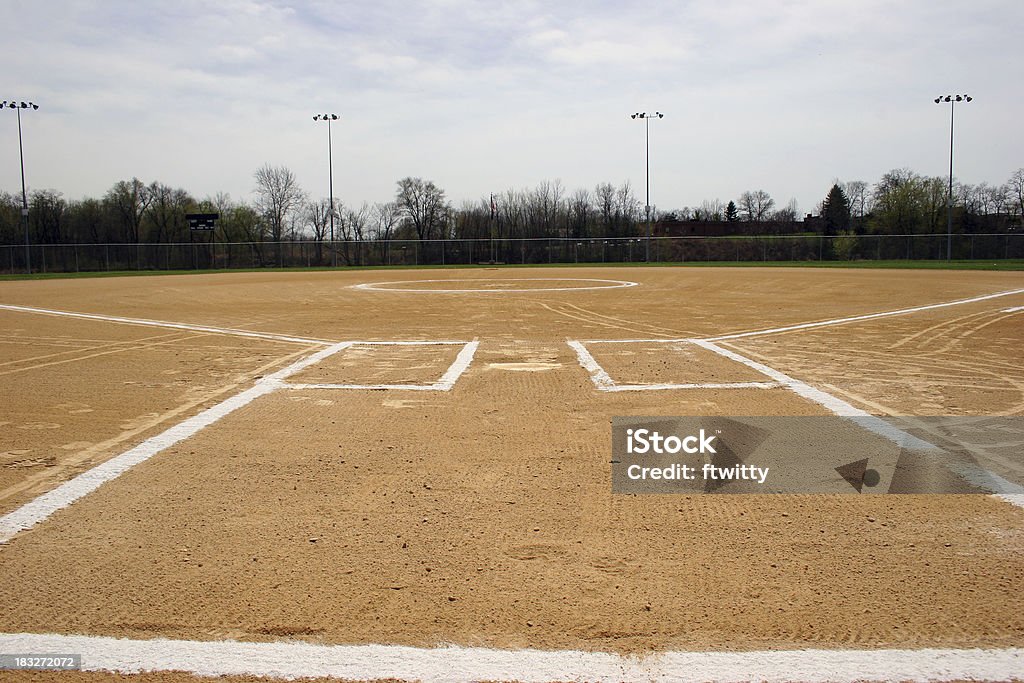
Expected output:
(836, 211)
(732, 214)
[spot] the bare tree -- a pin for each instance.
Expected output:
(472, 220)
(128, 201)
(999, 199)
(354, 226)
(388, 215)
(512, 214)
(167, 210)
(47, 215)
(709, 210)
(628, 206)
(278, 195)
(1016, 184)
(544, 205)
(756, 206)
(424, 206)
(857, 193)
(604, 195)
(318, 218)
(580, 210)
(788, 213)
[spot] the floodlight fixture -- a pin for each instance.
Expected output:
(330, 175)
(952, 99)
(24, 195)
(647, 208)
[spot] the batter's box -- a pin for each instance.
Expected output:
(657, 364)
(412, 365)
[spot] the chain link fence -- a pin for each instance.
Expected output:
(70, 258)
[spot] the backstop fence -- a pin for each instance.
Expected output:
(63, 258)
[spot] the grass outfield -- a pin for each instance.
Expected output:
(978, 264)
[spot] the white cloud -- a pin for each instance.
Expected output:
(484, 96)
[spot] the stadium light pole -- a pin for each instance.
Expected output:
(24, 195)
(647, 208)
(330, 176)
(952, 99)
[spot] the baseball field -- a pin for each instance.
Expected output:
(404, 475)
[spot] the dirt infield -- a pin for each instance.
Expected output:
(482, 516)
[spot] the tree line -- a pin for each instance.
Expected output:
(134, 212)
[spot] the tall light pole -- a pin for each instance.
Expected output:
(24, 195)
(330, 176)
(647, 208)
(952, 99)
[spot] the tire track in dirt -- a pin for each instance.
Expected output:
(171, 337)
(594, 321)
(630, 322)
(937, 330)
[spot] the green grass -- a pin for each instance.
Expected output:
(1003, 264)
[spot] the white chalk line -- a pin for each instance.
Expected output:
(170, 325)
(972, 473)
(454, 664)
(820, 323)
(445, 383)
(601, 379)
(637, 341)
(870, 316)
(42, 507)
(45, 505)
(381, 286)
(712, 385)
(72, 490)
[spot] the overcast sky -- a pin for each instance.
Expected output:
(486, 96)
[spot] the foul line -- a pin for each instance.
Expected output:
(67, 493)
(161, 323)
(381, 286)
(820, 323)
(82, 485)
(711, 385)
(453, 664)
(870, 316)
(972, 473)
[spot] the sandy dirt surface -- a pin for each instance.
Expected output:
(74, 392)
(483, 516)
